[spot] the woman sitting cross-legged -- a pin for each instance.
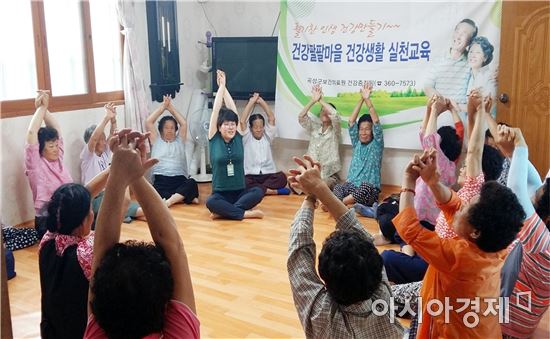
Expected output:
(367, 140)
(170, 176)
(259, 167)
(96, 157)
(44, 153)
(230, 198)
(138, 289)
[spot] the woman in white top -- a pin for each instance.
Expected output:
(480, 55)
(96, 157)
(259, 167)
(170, 176)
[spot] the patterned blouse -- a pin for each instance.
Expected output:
(84, 250)
(366, 159)
(471, 188)
(323, 146)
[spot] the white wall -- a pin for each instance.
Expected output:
(230, 18)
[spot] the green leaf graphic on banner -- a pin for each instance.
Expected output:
(282, 68)
(496, 14)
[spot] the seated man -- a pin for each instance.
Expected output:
(338, 304)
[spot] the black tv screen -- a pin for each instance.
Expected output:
(250, 65)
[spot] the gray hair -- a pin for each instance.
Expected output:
(88, 133)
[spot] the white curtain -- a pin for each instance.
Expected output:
(135, 89)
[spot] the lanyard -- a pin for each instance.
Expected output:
(229, 151)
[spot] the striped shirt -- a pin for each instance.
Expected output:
(533, 280)
(450, 78)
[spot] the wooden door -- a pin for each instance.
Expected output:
(525, 75)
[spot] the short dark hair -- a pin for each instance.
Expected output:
(255, 117)
(542, 204)
(166, 118)
(67, 208)
(491, 163)
(131, 289)
(498, 216)
(486, 47)
(471, 23)
(350, 266)
(46, 134)
(450, 144)
(363, 118)
(226, 114)
(88, 133)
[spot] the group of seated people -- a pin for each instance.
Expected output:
(486, 241)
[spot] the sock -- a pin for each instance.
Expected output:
(283, 191)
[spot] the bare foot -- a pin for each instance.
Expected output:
(380, 240)
(258, 214)
(408, 250)
(214, 216)
(195, 201)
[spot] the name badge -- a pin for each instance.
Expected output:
(230, 170)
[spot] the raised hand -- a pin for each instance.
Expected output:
(254, 98)
(110, 110)
(474, 101)
(129, 162)
(316, 93)
(42, 98)
(427, 167)
(366, 91)
(166, 101)
(307, 177)
(505, 140)
(439, 104)
(220, 78)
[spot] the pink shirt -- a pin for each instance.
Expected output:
(179, 322)
(93, 164)
(471, 188)
(44, 176)
(424, 201)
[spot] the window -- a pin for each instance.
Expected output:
(73, 48)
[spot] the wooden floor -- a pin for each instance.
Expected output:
(238, 270)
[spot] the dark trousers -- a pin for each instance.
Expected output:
(233, 204)
(265, 181)
(402, 268)
(40, 225)
(167, 186)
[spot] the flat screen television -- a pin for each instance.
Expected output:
(250, 65)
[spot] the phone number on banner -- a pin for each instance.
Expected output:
(401, 51)
(355, 83)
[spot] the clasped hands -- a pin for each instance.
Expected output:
(129, 156)
(424, 166)
(307, 176)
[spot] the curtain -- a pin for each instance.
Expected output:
(135, 89)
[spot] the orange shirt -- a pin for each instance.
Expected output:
(458, 270)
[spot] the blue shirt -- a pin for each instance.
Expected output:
(366, 159)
